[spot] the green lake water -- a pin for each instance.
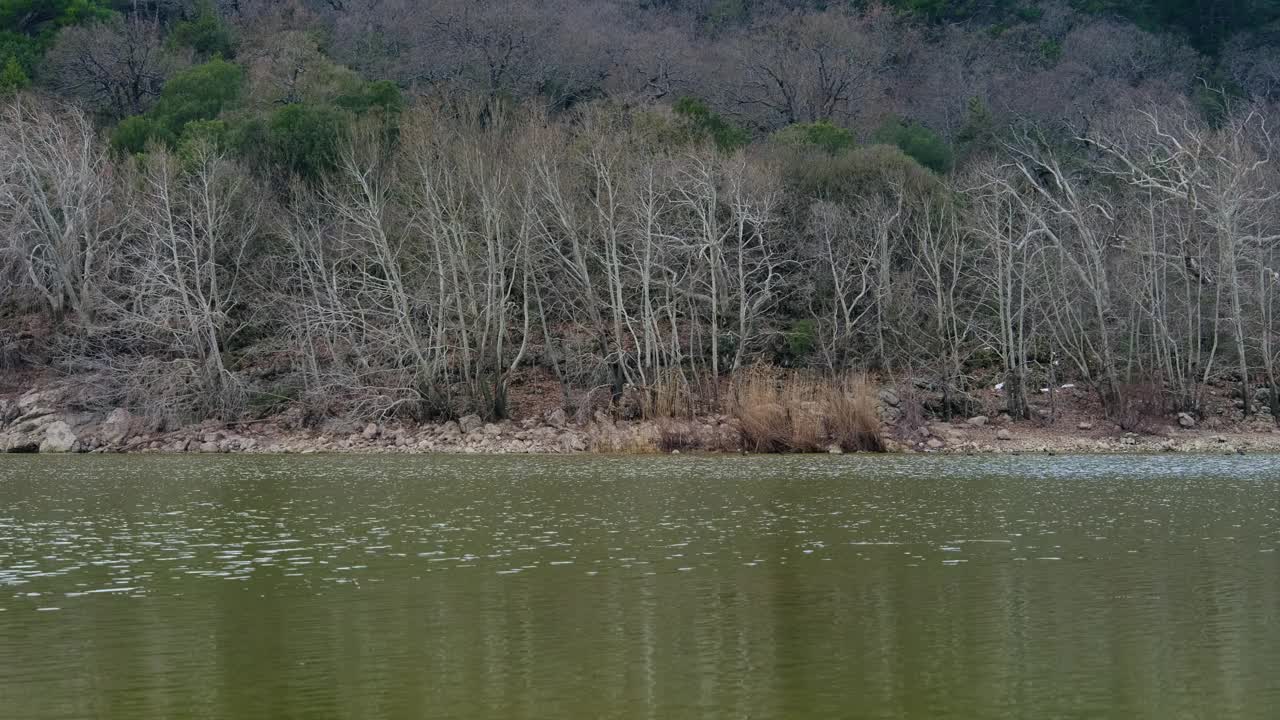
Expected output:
(146, 587)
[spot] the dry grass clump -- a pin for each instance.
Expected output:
(669, 397)
(798, 412)
(675, 435)
(675, 394)
(765, 426)
(851, 420)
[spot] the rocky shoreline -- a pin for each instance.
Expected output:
(34, 421)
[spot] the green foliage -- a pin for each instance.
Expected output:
(1050, 51)
(726, 13)
(205, 33)
(38, 18)
(801, 339)
(822, 134)
(12, 78)
(1028, 13)
(864, 172)
(382, 96)
(304, 139)
(978, 135)
(200, 135)
(27, 29)
(1206, 23)
(702, 123)
(917, 141)
(23, 50)
(134, 133)
(199, 93)
(946, 10)
(1213, 97)
(249, 138)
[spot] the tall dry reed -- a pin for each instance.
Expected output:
(789, 411)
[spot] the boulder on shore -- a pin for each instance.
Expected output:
(58, 438)
(116, 427)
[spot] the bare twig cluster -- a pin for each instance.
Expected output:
(637, 270)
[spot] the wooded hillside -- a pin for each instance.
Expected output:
(388, 207)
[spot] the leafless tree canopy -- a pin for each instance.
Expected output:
(543, 204)
(419, 282)
(117, 68)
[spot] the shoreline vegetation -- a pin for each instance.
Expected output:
(766, 226)
(769, 412)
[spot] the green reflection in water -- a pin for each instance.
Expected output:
(465, 587)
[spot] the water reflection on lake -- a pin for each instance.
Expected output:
(140, 587)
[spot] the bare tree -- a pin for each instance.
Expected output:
(844, 261)
(1077, 226)
(116, 67)
(58, 213)
(938, 332)
(756, 258)
(508, 48)
(1223, 178)
(806, 67)
(1007, 238)
(178, 284)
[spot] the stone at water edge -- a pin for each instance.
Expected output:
(1003, 434)
(977, 420)
(58, 438)
(469, 423)
(491, 430)
(18, 443)
(573, 442)
(116, 427)
(1185, 420)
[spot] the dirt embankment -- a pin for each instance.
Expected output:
(39, 416)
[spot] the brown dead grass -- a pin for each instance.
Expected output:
(676, 435)
(851, 421)
(789, 411)
(676, 394)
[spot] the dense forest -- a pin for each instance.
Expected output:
(383, 208)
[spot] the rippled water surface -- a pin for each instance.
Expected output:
(140, 587)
